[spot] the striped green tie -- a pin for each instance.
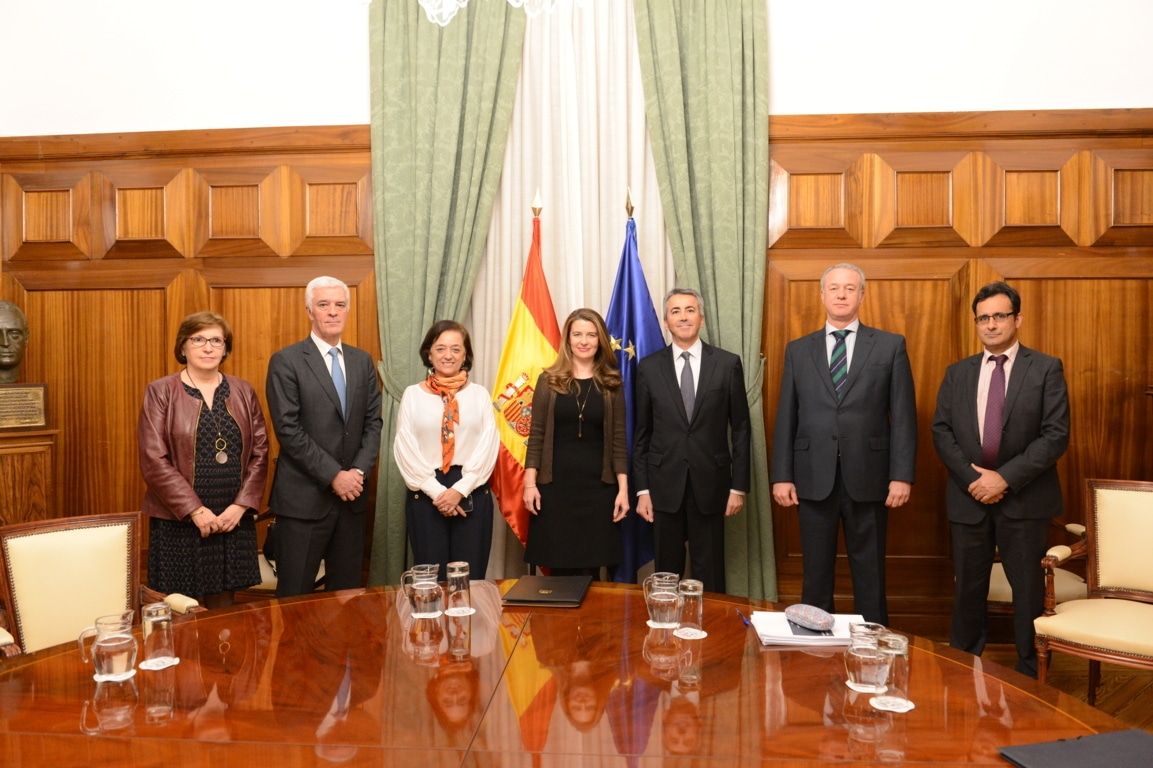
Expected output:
(839, 363)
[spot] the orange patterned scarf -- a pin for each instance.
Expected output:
(446, 389)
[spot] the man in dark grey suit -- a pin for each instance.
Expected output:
(324, 400)
(1002, 421)
(691, 453)
(845, 443)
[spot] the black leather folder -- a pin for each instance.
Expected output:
(548, 591)
(1119, 749)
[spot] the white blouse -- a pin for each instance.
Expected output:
(417, 445)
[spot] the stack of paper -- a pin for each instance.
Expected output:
(774, 629)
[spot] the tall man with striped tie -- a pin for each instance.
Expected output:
(1001, 424)
(845, 443)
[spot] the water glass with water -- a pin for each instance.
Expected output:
(867, 668)
(459, 598)
(895, 648)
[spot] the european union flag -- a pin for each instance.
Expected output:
(636, 332)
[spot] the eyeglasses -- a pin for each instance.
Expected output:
(1000, 317)
(199, 341)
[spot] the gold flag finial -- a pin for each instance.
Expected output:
(629, 201)
(536, 206)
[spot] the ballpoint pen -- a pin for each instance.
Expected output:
(743, 617)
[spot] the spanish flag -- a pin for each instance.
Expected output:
(530, 347)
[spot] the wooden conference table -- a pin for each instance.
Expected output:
(337, 677)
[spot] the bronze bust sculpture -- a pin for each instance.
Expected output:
(13, 341)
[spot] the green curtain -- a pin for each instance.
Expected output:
(442, 101)
(704, 66)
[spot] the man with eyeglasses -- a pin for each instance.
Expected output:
(1001, 424)
(324, 401)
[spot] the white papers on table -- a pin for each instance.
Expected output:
(774, 629)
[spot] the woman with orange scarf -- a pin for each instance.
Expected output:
(446, 446)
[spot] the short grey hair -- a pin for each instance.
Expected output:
(683, 292)
(844, 265)
(324, 281)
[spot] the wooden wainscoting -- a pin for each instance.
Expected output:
(933, 206)
(109, 241)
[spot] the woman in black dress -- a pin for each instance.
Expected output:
(204, 457)
(576, 466)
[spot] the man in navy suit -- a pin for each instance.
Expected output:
(1003, 484)
(691, 453)
(324, 400)
(845, 443)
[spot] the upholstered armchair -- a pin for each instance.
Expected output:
(1115, 624)
(1067, 585)
(58, 575)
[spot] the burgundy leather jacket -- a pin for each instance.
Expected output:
(167, 436)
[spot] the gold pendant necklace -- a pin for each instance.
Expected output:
(221, 444)
(581, 407)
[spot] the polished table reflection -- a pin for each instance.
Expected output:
(351, 677)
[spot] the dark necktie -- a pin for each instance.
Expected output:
(994, 414)
(688, 394)
(338, 378)
(839, 362)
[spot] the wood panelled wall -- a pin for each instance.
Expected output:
(932, 207)
(108, 241)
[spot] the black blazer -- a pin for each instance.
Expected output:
(1035, 435)
(315, 441)
(713, 449)
(873, 429)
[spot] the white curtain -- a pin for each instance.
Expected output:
(579, 135)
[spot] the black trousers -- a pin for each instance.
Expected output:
(438, 539)
(1022, 544)
(705, 535)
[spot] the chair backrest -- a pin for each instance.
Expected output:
(60, 574)
(1120, 538)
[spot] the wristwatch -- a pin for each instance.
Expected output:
(358, 471)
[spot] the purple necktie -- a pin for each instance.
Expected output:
(994, 414)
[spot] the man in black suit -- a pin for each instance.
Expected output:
(691, 453)
(845, 443)
(324, 400)
(1003, 484)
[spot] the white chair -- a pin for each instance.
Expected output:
(58, 575)
(1115, 623)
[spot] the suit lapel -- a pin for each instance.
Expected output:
(669, 375)
(862, 348)
(1016, 379)
(820, 357)
(705, 377)
(970, 374)
(317, 364)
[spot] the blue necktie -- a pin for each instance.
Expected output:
(338, 379)
(839, 362)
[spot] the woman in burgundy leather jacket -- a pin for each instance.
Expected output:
(204, 457)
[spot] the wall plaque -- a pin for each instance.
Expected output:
(22, 406)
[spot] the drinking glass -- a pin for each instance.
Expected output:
(895, 648)
(867, 668)
(156, 626)
(459, 597)
(692, 593)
